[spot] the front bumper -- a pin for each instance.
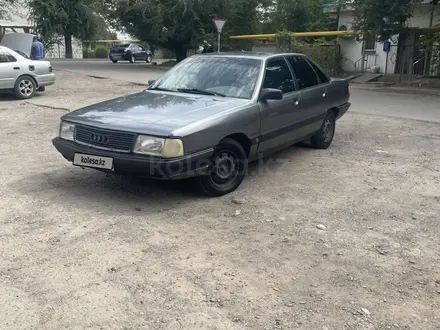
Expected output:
(142, 166)
(342, 109)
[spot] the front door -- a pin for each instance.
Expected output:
(142, 53)
(279, 117)
(10, 70)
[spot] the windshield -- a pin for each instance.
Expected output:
(214, 75)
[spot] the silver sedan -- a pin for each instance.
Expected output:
(22, 76)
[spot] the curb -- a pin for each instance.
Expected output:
(399, 90)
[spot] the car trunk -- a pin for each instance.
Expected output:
(118, 50)
(20, 42)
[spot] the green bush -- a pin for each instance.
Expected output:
(163, 53)
(101, 52)
(88, 53)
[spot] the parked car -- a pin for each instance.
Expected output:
(130, 52)
(207, 118)
(22, 76)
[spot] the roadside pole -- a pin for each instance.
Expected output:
(386, 48)
(219, 24)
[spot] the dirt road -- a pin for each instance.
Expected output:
(82, 250)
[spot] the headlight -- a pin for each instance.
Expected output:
(166, 148)
(67, 131)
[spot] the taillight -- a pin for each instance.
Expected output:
(348, 87)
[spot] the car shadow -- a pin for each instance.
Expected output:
(102, 192)
(8, 97)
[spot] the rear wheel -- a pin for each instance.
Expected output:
(227, 170)
(323, 138)
(114, 61)
(24, 88)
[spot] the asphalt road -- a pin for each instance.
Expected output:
(139, 72)
(409, 105)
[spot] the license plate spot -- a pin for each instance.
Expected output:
(93, 161)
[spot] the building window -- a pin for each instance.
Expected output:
(370, 42)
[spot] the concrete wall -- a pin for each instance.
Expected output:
(352, 50)
(18, 17)
(421, 16)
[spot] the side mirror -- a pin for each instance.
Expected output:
(271, 94)
(151, 82)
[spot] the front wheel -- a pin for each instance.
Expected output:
(323, 138)
(227, 169)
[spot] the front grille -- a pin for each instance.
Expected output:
(104, 138)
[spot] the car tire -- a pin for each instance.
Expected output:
(227, 169)
(114, 61)
(132, 59)
(323, 138)
(25, 88)
(149, 59)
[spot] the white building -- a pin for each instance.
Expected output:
(17, 21)
(403, 52)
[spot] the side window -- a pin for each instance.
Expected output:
(142, 49)
(303, 71)
(278, 76)
(10, 57)
(322, 76)
(3, 57)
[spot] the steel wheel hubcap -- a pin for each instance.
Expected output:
(224, 169)
(327, 130)
(26, 87)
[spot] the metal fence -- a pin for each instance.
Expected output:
(414, 62)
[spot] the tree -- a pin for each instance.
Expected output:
(180, 24)
(5, 5)
(383, 18)
(296, 16)
(68, 18)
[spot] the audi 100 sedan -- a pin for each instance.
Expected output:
(207, 118)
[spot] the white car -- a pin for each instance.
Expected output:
(22, 76)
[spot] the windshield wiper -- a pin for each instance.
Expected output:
(199, 91)
(162, 89)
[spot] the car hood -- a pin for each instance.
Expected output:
(153, 112)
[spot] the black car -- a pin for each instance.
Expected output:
(130, 52)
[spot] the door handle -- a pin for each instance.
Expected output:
(16, 68)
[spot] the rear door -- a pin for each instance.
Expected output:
(313, 94)
(10, 70)
(279, 117)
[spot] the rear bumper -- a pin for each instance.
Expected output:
(142, 166)
(119, 57)
(342, 109)
(45, 80)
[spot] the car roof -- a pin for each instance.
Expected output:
(254, 55)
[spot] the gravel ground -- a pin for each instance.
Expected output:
(345, 238)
